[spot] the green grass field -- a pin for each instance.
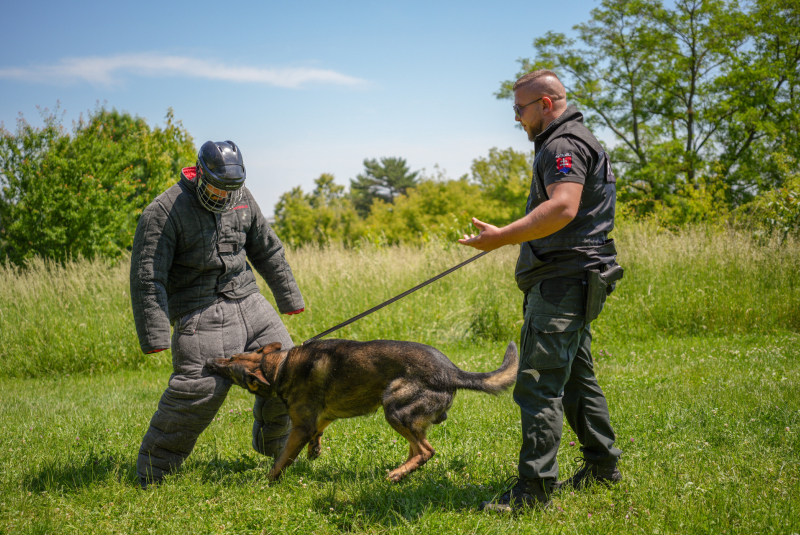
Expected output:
(698, 352)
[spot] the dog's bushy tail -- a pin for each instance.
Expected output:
(492, 382)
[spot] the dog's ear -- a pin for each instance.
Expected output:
(256, 380)
(275, 346)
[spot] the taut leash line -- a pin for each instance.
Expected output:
(395, 298)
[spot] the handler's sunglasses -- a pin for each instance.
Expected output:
(518, 109)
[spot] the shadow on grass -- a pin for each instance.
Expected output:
(75, 474)
(356, 498)
(80, 473)
(367, 503)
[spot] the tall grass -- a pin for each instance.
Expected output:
(703, 281)
(68, 318)
(697, 352)
(76, 317)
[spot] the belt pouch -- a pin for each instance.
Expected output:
(595, 295)
(599, 286)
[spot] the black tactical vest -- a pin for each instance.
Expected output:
(583, 244)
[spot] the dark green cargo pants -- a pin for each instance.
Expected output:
(556, 377)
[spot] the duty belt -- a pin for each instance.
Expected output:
(569, 241)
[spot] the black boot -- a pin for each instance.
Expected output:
(592, 472)
(523, 494)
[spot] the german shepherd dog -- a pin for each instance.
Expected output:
(329, 379)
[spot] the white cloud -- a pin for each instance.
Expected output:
(106, 71)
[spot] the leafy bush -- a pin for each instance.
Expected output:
(776, 212)
(324, 216)
(704, 202)
(65, 196)
(432, 210)
(390, 205)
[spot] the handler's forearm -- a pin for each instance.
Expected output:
(548, 218)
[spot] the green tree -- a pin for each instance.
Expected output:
(383, 180)
(64, 196)
(325, 215)
(690, 91)
(504, 176)
(433, 208)
(761, 100)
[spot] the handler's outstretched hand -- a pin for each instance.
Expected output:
(488, 239)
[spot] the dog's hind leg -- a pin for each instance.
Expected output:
(412, 421)
(419, 451)
(315, 445)
(427, 445)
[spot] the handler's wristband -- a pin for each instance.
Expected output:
(156, 351)
(295, 311)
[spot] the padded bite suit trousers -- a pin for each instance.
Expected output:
(193, 396)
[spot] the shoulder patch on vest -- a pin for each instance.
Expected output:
(564, 162)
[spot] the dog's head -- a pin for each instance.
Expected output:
(246, 369)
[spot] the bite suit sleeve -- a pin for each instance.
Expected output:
(151, 260)
(265, 252)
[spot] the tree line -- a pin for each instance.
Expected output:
(389, 204)
(700, 97)
(65, 195)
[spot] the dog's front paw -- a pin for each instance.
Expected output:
(314, 451)
(274, 475)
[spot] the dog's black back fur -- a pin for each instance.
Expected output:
(325, 380)
(351, 366)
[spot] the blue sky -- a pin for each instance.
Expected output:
(304, 88)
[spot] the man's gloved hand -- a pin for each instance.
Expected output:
(295, 312)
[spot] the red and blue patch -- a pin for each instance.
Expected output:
(564, 162)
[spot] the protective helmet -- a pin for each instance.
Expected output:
(220, 166)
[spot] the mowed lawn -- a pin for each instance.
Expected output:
(697, 353)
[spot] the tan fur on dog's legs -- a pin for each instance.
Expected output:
(297, 439)
(419, 452)
(315, 446)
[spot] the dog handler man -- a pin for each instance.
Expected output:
(189, 269)
(564, 239)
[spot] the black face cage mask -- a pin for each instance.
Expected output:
(222, 204)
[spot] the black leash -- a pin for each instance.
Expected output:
(393, 299)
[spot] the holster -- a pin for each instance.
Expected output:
(599, 285)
